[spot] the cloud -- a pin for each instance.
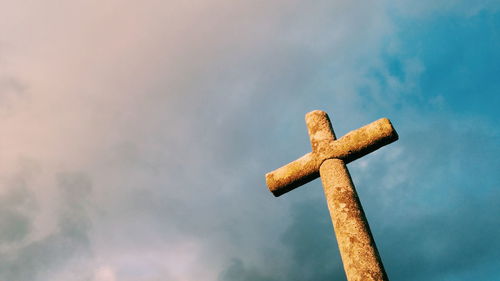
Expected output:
(429, 198)
(238, 272)
(431, 221)
(309, 253)
(136, 137)
(27, 257)
(105, 274)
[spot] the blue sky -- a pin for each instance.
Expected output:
(136, 136)
(459, 55)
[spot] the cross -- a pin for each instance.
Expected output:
(328, 160)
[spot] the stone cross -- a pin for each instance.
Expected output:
(328, 160)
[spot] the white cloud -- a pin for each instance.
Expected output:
(173, 111)
(105, 273)
(156, 103)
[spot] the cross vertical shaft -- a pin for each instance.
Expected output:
(356, 245)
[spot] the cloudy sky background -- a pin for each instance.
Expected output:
(135, 137)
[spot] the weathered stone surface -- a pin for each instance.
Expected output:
(357, 247)
(350, 147)
(328, 159)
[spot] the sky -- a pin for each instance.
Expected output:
(135, 136)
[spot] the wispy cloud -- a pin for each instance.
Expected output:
(135, 138)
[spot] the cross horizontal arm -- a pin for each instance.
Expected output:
(350, 147)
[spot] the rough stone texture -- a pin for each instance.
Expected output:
(328, 159)
(357, 247)
(350, 147)
(320, 131)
